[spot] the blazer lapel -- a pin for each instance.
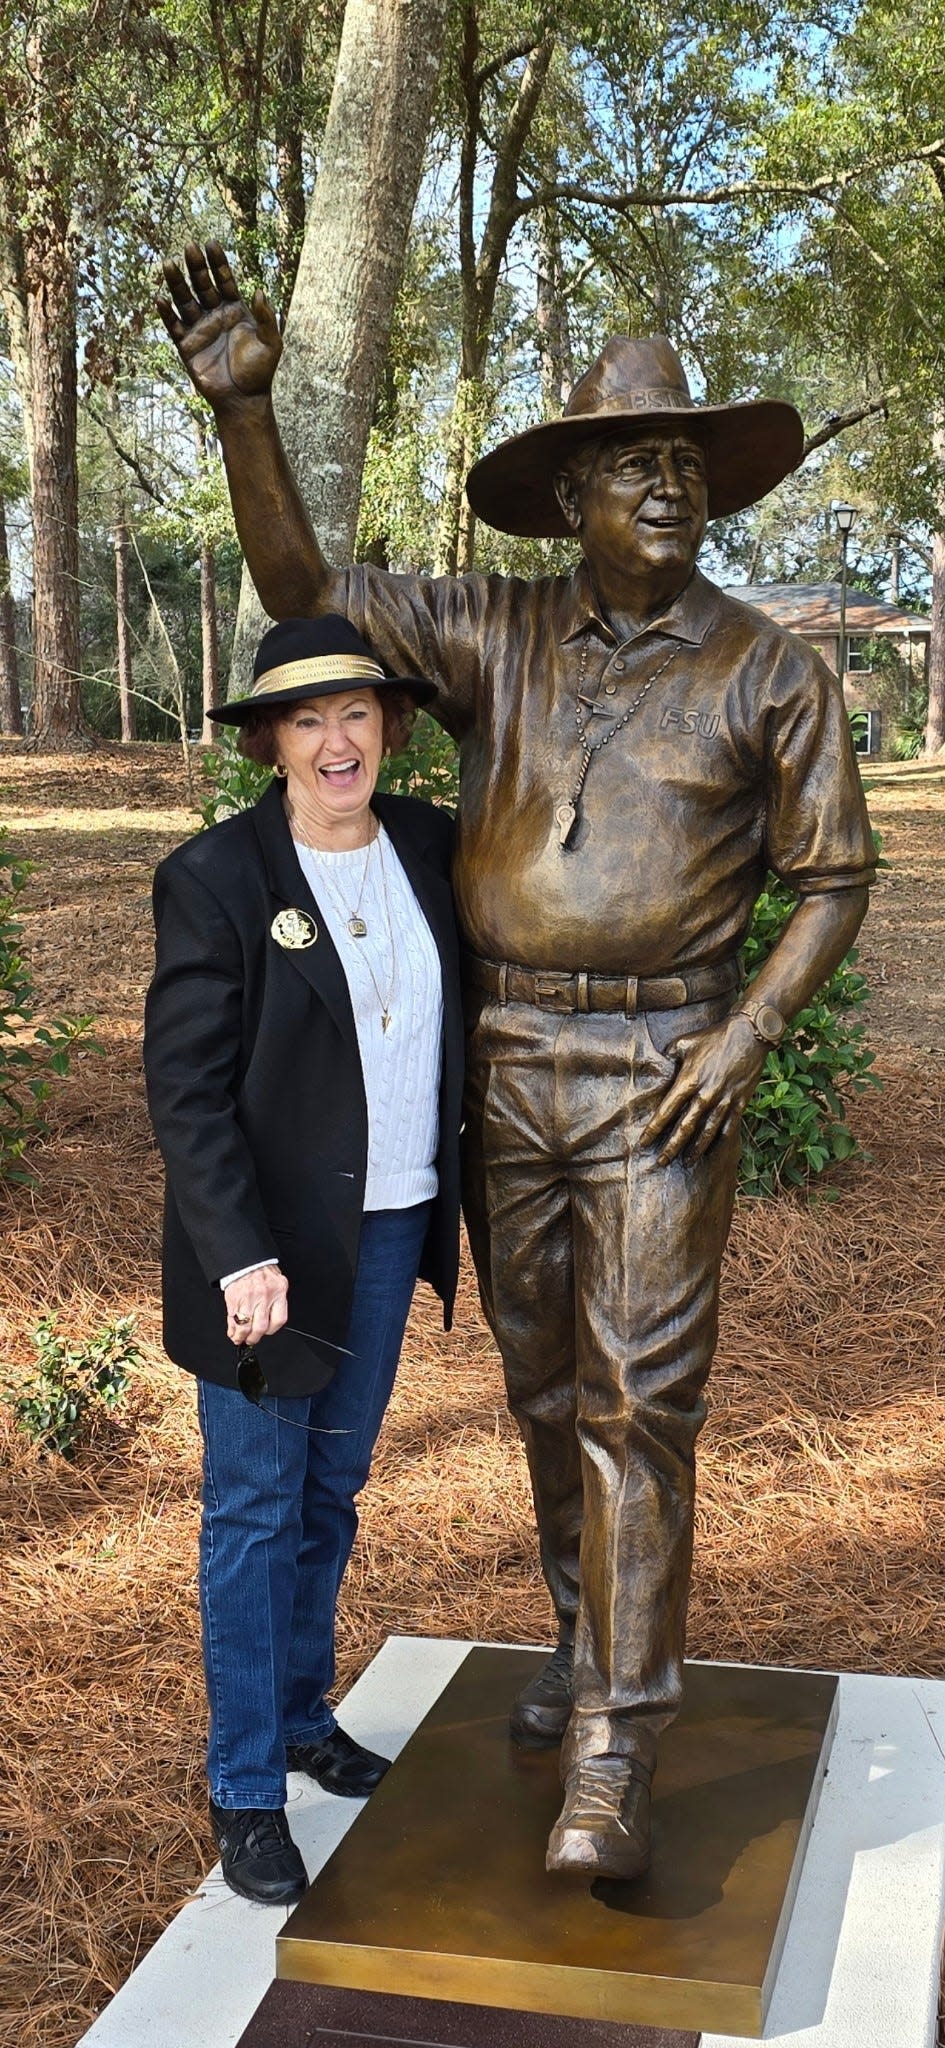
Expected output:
(319, 963)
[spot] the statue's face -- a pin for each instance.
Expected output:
(644, 495)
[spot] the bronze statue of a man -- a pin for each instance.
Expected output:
(636, 750)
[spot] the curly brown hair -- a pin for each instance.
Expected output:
(258, 732)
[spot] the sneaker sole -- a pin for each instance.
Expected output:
(258, 1899)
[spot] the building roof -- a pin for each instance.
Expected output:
(812, 608)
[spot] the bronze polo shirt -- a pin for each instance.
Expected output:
(739, 758)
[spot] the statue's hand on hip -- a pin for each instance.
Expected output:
(229, 349)
(717, 1075)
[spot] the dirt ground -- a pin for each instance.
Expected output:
(822, 1472)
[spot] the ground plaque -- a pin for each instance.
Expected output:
(439, 1889)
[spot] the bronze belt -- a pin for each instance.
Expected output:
(616, 994)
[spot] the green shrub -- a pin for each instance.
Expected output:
(73, 1383)
(909, 738)
(795, 1124)
(29, 1058)
(428, 768)
(232, 783)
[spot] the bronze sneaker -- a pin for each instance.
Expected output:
(543, 1709)
(604, 1826)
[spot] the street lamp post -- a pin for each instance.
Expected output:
(845, 516)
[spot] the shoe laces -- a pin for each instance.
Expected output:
(601, 1784)
(556, 1674)
(264, 1831)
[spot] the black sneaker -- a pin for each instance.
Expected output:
(259, 1858)
(541, 1713)
(339, 1764)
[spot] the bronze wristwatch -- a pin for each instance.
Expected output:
(766, 1022)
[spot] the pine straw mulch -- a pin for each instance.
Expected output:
(821, 1484)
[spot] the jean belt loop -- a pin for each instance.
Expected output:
(630, 1001)
(502, 992)
(583, 995)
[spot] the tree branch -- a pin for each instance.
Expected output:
(831, 184)
(491, 70)
(889, 271)
(125, 455)
(836, 422)
(915, 547)
(503, 204)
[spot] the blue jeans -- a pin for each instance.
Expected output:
(278, 1524)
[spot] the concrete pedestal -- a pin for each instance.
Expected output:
(862, 1959)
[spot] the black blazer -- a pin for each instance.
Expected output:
(256, 1091)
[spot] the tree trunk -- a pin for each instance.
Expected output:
(50, 274)
(15, 300)
(479, 275)
(11, 708)
(209, 624)
(555, 357)
(456, 529)
(122, 546)
(349, 273)
(935, 726)
(209, 640)
(290, 183)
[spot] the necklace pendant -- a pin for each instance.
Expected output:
(357, 927)
(565, 819)
(385, 1021)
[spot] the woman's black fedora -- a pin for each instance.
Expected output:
(313, 658)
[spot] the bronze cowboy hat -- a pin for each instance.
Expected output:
(749, 446)
(302, 658)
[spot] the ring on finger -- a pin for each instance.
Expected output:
(242, 1319)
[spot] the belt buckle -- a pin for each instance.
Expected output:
(555, 992)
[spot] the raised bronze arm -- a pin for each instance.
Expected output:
(231, 350)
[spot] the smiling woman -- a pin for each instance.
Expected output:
(299, 740)
(304, 1061)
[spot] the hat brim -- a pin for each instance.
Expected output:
(750, 447)
(239, 709)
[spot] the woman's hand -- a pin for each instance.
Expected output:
(256, 1305)
(228, 348)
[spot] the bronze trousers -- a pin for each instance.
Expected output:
(599, 1276)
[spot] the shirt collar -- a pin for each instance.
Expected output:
(688, 618)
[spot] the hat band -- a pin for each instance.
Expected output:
(665, 398)
(319, 668)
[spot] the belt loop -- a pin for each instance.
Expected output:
(630, 1000)
(502, 992)
(583, 998)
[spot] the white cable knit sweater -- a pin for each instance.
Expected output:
(401, 1066)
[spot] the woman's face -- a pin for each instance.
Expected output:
(331, 749)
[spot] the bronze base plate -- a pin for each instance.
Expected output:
(439, 1890)
(321, 2016)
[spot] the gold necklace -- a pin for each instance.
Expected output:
(386, 1007)
(355, 922)
(385, 1003)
